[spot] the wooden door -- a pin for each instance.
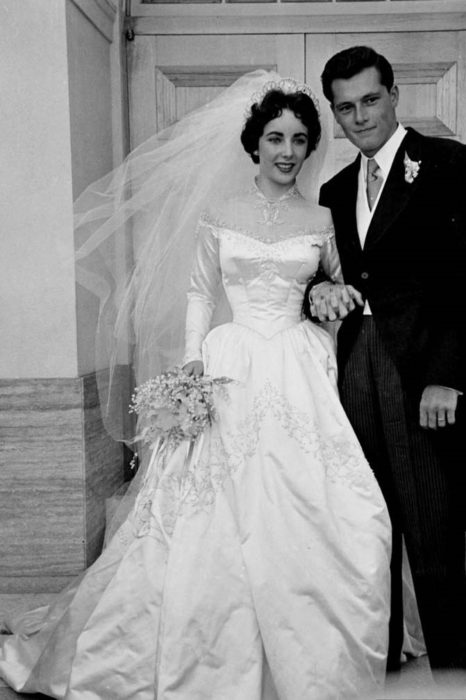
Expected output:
(171, 75)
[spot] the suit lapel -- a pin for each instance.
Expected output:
(397, 191)
(348, 193)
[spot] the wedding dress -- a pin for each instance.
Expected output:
(254, 566)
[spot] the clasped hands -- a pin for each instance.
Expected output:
(333, 301)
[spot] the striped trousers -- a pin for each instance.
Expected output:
(417, 471)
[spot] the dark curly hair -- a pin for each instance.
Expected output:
(271, 107)
(350, 62)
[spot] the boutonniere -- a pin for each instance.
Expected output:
(412, 168)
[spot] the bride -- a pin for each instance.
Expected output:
(257, 568)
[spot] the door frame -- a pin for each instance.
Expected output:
(153, 17)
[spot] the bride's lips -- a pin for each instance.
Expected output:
(285, 167)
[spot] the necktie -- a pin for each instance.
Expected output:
(374, 181)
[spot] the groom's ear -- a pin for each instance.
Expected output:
(394, 95)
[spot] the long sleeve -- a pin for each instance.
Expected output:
(329, 265)
(329, 258)
(446, 351)
(205, 279)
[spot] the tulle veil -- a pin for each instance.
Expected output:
(135, 232)
(135, 236)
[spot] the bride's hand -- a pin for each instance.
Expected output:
(195, 367)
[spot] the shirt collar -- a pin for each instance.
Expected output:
(386, 155)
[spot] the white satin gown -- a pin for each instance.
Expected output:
(257, 567)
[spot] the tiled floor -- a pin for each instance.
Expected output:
(414, 683)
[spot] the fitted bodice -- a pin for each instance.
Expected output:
(263, 254)
(264, 282)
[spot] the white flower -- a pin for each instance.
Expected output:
(175, 406)
(412, 168)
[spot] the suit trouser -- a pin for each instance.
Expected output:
(417, 477)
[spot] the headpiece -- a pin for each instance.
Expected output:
(288, 86)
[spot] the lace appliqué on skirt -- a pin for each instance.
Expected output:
(194, 474)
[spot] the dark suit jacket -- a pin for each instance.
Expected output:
(412, 267)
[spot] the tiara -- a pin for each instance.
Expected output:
(285, 85)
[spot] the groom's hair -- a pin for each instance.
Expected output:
(350, 62)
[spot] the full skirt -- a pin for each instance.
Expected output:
(254, 563)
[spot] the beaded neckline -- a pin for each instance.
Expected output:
(292, 192)
(270, 209)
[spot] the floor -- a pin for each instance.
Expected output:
(11, 605)
(414, 683)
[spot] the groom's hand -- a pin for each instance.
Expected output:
(438, 407)
(331, 301)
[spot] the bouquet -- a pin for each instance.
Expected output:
(175, 406)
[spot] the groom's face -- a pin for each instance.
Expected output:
(365, 110)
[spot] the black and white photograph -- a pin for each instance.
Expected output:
(233, 355)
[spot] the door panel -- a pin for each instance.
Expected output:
(170, 76)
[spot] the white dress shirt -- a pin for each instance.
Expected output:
(384, 159)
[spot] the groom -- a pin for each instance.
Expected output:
(399, 212)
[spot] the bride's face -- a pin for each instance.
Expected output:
(282, 151)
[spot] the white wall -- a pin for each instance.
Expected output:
(56, 73)
(90, 95)
(37, 310)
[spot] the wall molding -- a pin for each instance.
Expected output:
(296, 17)
(101, 13)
